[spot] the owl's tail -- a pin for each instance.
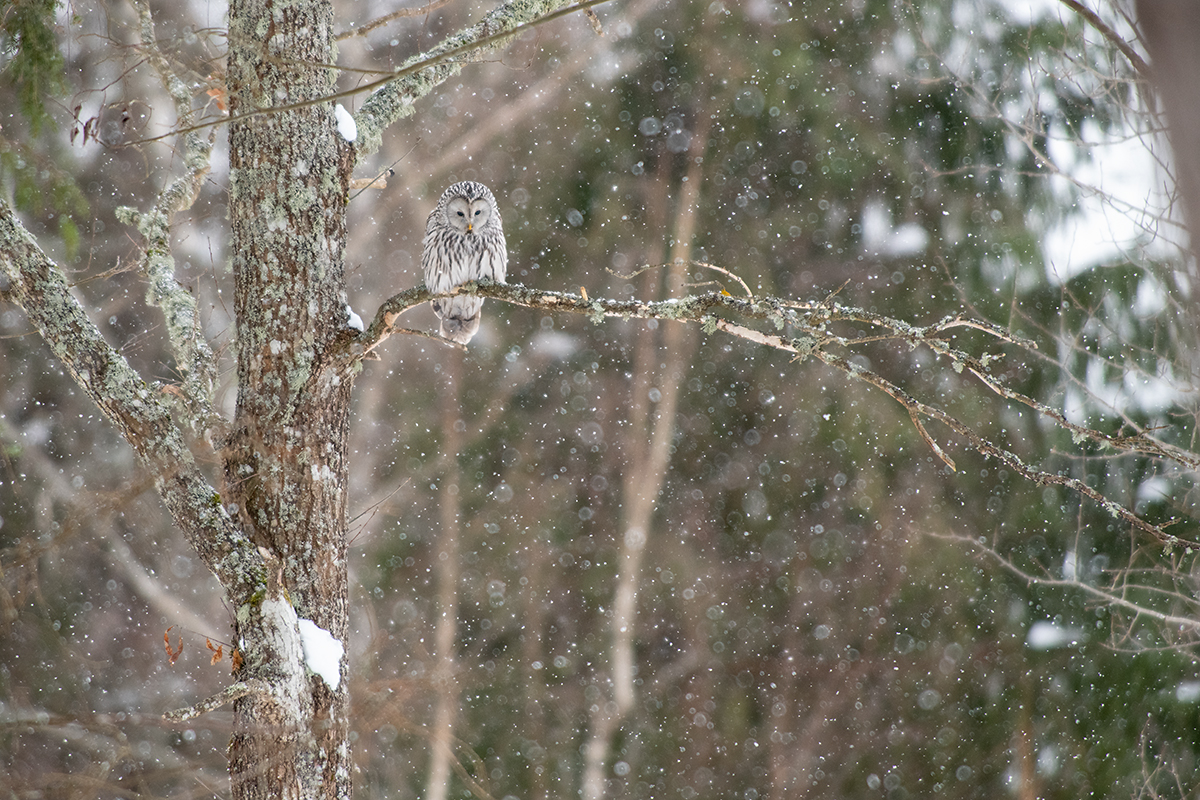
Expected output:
(460, 317)
(458, 329)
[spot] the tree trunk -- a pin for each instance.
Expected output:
(275, 535)
(446, 576)
(285, 463)
(647, 470)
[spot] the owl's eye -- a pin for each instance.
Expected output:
(478, 211)
(460, 214)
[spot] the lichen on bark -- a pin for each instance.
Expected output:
(285, 461)
(137, 408)
(395, 99)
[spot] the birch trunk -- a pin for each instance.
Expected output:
(445, 678)
(644, 479)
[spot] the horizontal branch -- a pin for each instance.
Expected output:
(139, 410)
(802, 329)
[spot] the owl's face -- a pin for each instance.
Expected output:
(467, 216)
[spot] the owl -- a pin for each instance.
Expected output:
(464, 241)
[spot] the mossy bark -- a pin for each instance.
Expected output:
(285, 465)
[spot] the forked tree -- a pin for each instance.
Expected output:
(273, 529)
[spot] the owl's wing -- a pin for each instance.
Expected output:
(439, 263)
(494, 263)
(429, 255)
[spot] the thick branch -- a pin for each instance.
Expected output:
(419, 75)
(802, 329)
(193, 356)
(139, 410)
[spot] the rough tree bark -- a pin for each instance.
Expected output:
(285, 461)
(275, 532)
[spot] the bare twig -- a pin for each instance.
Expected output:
(385, 107)
(1110, 598)
(379, 22)
(806, 335)
(1115, 39)
(949, 462)
(724, 271)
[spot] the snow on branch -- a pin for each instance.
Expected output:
(140, 410)
(804, 330)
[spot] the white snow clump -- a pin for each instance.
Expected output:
(345, 123)
(322, 653)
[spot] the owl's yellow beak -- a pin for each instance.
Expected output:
(469, 227)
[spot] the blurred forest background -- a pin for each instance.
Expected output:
(632, 559)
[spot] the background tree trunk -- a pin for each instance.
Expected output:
(445, 678)
(663, 369)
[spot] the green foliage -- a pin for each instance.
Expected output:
(34, 69)
(35, 65)
(40, 187)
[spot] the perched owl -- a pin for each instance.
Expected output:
(464, 241)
